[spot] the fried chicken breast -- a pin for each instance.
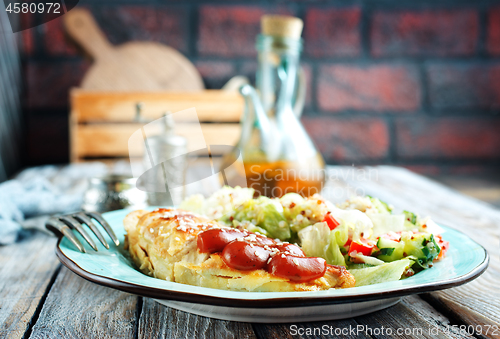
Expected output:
(163, 244)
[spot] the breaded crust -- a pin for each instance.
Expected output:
(163, 245)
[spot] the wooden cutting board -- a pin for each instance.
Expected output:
(133, 66)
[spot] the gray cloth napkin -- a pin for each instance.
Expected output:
(36, 193)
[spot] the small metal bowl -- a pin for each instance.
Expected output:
(113, 192)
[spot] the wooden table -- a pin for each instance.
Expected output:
(40, 298)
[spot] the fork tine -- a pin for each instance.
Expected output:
(67, 233)
(86, 220)
(55, 224)
(77, 226)
(106, 226)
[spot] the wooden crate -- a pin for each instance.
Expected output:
(102, 122)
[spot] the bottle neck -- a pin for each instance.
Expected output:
(277, 71)
(279, 45)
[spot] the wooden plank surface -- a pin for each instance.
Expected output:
(96, 106)
(77, 308)
(476, 303)
(158, 321)
(102, 140)
(319, 329)
(411, 318)
(26, 270)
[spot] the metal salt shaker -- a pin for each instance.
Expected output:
(167, 150)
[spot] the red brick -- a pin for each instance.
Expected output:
(448, 138)
(123, 24)
(493, 33)
(215, 73)
(57, 11)
(230, 31)
(55, 40)
(347, 140)
(150, 23)
(425, 33)
(27, 39)
(375, 88)
(464, 86)
(48, 84)
(332, 32)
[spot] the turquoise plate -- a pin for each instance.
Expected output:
(464, 261)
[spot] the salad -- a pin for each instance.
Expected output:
(364, 234)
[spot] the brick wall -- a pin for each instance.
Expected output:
(396, 82)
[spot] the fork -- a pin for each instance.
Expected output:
(61, 225)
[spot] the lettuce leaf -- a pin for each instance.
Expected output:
(250, 227)
(385, 223)
(318, 241)
(380, 274)
(220, 205)
(266, 214)
(382, 207)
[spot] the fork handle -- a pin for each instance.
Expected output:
(37, 223)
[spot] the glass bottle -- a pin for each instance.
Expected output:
(277, 154)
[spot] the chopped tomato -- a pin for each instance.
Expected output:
(444, 245)
(332, 224)
(363, 246)
(330, 221)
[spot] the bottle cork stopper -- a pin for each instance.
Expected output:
(282, 26)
